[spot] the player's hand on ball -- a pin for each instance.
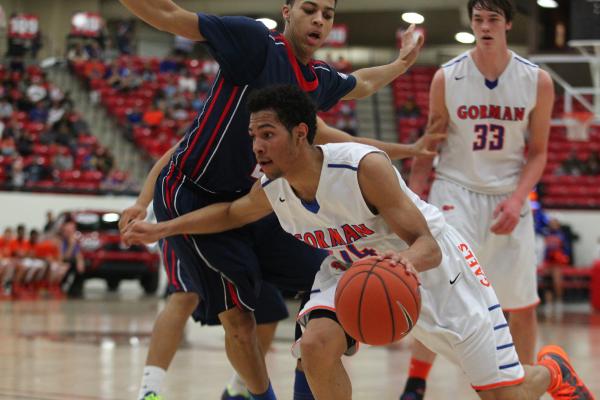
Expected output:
(398, 260)
(133, 213)
(141, 232)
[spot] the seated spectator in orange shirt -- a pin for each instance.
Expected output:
(19, 246)
(155, 115)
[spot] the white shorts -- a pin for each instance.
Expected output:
(509, 260)
(462, 321)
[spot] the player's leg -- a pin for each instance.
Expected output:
(553, 374)
(243, 351)
(453, 200)
(169, 325)
(322, 345)
(271, 308)
(420, 364)
(524, 328)
(291, 265)
(510, 265)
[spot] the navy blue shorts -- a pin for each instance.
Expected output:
(227, 269)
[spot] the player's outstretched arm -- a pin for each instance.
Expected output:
(215, 218)
(437, 122)
(138, 210)
(381, 190)
(424, 147)
(370, 80)
(166, 16)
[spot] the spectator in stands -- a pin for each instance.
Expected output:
(409, 109)
(39, 112)
(154, 115)
(49, 221)
(76, 54)
(25, 144)
(104, 160)
(170, 64)
(71, 254)
(36, 90)
(592, 164)
(38, 171)
(124, 35)
(178, 113)
(63, 160)
(6, 262)
(555, 260)
(93, 49)
(8, 146)
(147, 73)
(17, 173)
(6, 109)
(56, 112)
(571, 165)
(186, 82)
(134, 116)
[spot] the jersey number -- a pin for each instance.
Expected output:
(489, 137)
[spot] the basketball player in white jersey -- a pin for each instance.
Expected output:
(349, 199)
(492, 103)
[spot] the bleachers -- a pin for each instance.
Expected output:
(155, 140)
(40, 142)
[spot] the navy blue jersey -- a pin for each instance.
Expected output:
(216, 152)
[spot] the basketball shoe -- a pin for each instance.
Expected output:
(229, 394)
(414, 390)
(568, 386)
(151, 396)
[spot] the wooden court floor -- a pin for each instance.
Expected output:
(94, 349)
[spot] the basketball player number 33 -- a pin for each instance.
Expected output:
(488, 136)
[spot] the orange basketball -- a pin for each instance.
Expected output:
(377, 303)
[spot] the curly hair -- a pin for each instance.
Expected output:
(291, 105)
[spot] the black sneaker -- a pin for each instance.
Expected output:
(414, 389)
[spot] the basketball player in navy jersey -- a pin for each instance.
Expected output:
(349, 199)
(214, 162)
(492, 103)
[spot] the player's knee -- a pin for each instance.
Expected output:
(239, 325)
(319, 348)
(183, 302)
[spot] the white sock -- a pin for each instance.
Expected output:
(236, 385)
(152, 380)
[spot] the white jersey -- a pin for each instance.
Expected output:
(488, 122)
(339, 219)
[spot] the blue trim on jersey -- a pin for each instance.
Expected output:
(515, 364)
(530, 64)
(494, 307)
(500, 326)
(312, 206)
(505, 346)
(266, 183)
(491, 84)
(455, 61)
(342, 166)
(315, 291)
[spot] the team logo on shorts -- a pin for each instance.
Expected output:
(474, 264)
